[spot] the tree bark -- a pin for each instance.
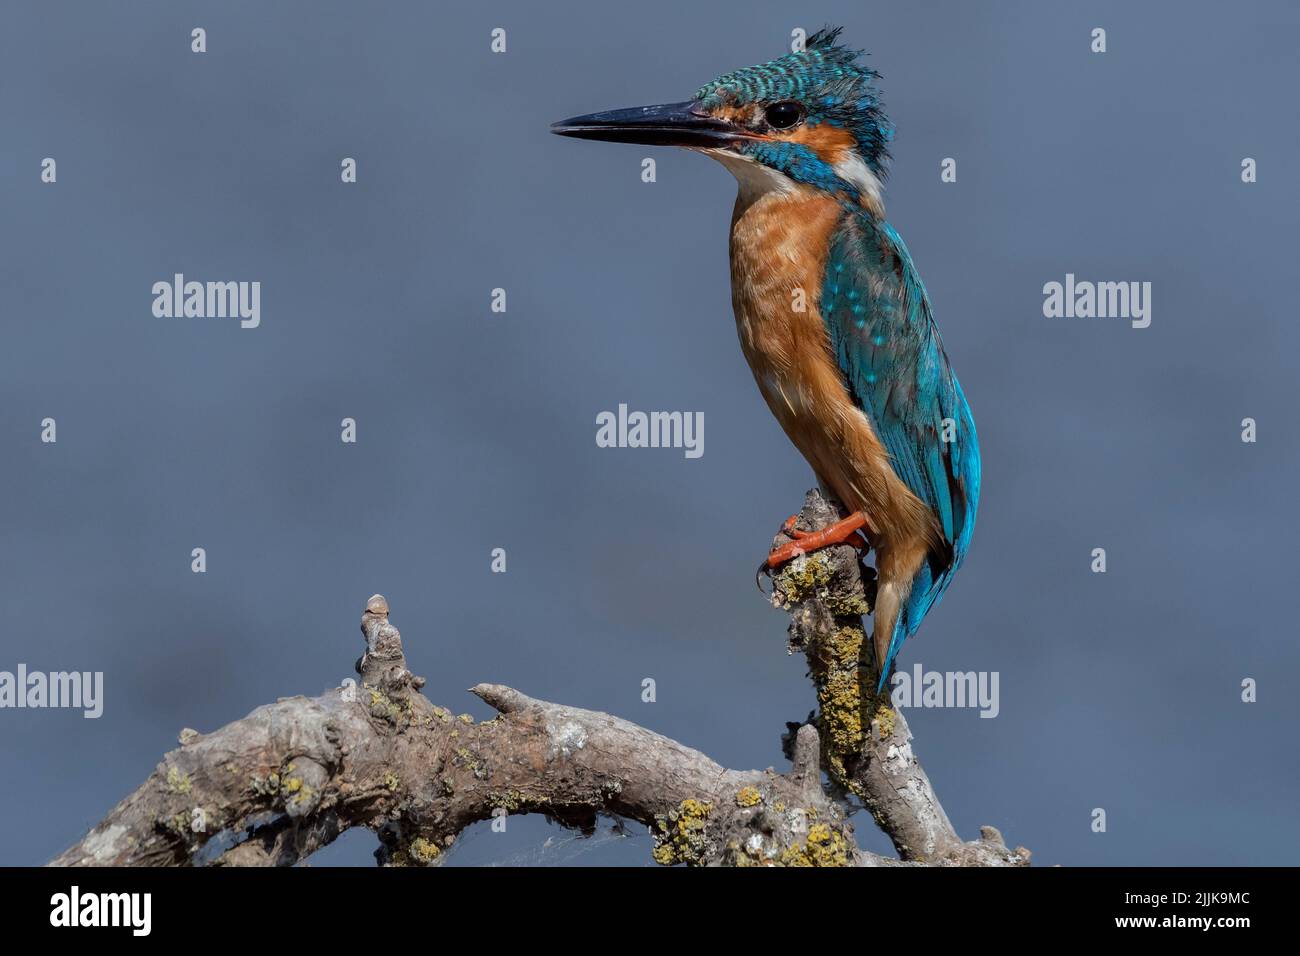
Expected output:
(274, 787)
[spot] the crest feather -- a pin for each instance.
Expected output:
(828, 79)
(824, 38)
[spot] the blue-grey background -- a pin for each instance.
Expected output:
(477, 430)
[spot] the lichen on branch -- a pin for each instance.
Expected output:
(274, 787)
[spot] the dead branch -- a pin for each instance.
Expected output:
(866, 744)
(286, 780)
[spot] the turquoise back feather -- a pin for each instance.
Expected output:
(894, 365)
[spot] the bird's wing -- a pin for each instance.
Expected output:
(886, 343)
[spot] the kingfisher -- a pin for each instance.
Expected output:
(832, 316)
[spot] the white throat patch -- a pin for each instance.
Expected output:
(754, 178)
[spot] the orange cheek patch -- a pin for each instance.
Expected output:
(830, 143)
(739, 115)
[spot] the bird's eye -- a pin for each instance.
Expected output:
(783, 115)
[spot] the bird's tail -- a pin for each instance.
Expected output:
(936, 572)
(887, 649)
(927, 588)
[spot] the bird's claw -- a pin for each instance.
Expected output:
(854, 531)
(790, 531)
(845, 531)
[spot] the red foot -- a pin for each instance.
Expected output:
(789, 529)
(841, 532)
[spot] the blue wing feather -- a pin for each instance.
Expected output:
(889, 350)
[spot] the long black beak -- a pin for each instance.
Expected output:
(670, 124)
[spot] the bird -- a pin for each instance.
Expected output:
(832, 316)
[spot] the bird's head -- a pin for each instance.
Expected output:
(812, 117)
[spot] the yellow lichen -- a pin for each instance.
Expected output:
(812, 576)
(841, 682)
(884, 719)
(178, 782)
(825, 846)
(802, 578)
(849, 707)
(664, 855)
(680, 837)
(510, 801)
(748, 797)
(422, 852)
(383, 707)
(693, 814)
(265, 786)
